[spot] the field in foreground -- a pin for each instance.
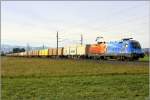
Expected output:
(49, 79)
(146, 58)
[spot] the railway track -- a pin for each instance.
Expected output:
(128, 62)
(115, 62)
(144, 63)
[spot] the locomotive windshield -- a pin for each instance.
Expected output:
(135, 44)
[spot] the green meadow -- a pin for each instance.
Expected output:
(64, 79)
(146, 58)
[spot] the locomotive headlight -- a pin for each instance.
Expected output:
(126, 45)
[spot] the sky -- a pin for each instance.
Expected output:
(37, 22)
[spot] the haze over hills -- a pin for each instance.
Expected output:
(6, 48)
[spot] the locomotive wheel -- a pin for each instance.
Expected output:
(136, 58)
(131, 59)
(121, 58)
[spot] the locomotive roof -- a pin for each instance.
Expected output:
(121, 41)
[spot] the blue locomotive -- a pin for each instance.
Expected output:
(125, 49)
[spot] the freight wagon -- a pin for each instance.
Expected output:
(29, 53)
(35, 53)
(60, 52)
(50, 52)
(43, 53)
(75, 51)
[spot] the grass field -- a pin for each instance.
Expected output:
(146, 58)
(51, 79)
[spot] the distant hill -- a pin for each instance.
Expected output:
(5, 48)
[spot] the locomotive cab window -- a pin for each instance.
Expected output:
(135, 44)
